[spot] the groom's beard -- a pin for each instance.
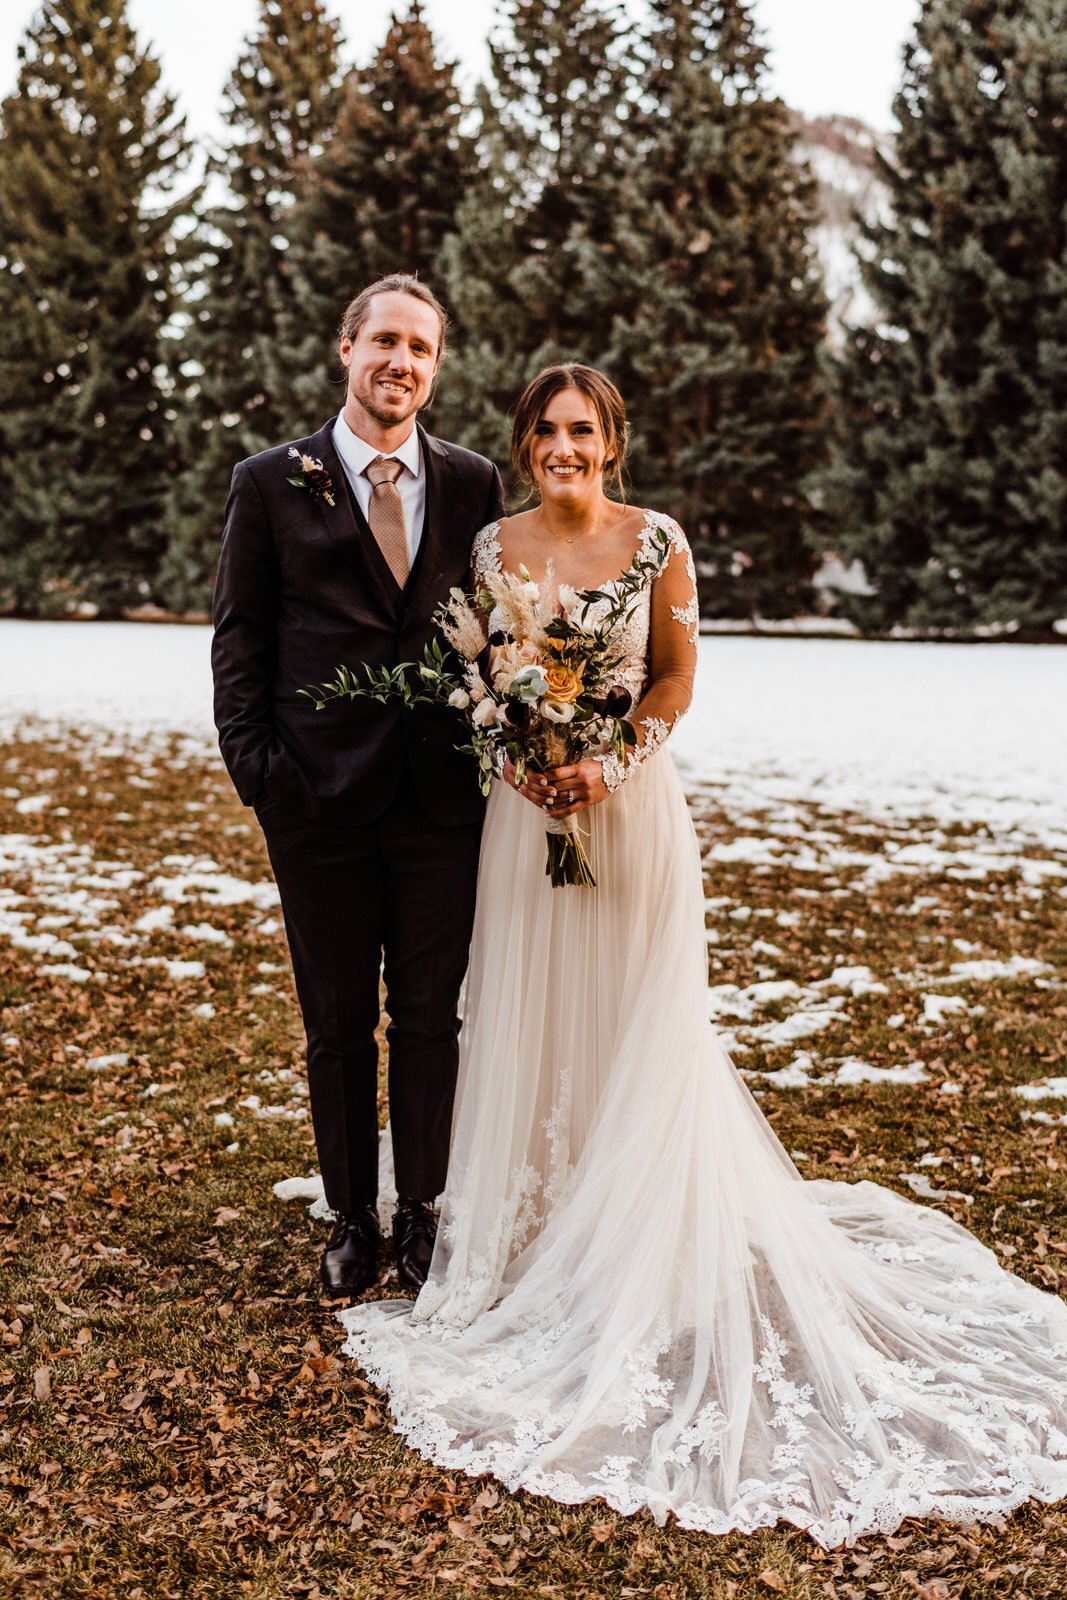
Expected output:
(384, 417)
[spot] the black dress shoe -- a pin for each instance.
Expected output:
(350, 1259)
(414, 1231)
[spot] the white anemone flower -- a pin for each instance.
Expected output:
(557, 710)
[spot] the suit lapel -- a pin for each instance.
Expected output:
(347, 528)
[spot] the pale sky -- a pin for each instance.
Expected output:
(826, 55)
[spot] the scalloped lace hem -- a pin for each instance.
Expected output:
(432, 1436)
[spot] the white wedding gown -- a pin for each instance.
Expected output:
(635, 1296)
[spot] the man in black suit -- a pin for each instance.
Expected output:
(371, 816)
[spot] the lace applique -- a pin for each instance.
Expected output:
(555, 1126)
(485, 551)
(688, 615)
(648, 1390)
(442, 1304)
(894, 1474)
(616, 770)
(704, 1435)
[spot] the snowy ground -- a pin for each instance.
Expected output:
(828, 776)
(966, 732)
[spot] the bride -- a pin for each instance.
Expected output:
(634, 1295)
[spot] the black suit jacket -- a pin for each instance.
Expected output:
(302, 588)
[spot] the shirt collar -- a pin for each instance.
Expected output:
(357, 454)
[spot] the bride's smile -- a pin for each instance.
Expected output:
(569, 452)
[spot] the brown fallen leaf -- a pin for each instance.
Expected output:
(42, 1384)
(934, 1589)
(773, 1580)
(131, 1401)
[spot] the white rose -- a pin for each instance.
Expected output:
(568, 597)
(484, 713)
(460, 699)
(557, 711)
(532, 591)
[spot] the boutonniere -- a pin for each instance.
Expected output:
(313, 477)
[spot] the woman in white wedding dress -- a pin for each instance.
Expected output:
(634, 1295)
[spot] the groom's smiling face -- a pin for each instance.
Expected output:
(392, 361)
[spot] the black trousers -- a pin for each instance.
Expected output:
(403, 885)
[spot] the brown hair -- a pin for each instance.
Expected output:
(357, 311)
(607, 403)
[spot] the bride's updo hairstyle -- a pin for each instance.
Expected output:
(607, 403)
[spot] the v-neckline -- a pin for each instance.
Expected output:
(647, 527)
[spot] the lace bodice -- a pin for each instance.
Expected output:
(664, 632)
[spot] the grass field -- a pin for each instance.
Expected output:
(174, 1417)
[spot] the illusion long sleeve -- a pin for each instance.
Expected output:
(674, 619)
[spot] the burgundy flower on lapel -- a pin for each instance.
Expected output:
(313, 477)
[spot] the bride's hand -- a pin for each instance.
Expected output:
(536, 788)
(576, 787)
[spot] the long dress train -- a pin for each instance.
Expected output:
(634, 1294)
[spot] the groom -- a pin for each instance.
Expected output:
(336, 550)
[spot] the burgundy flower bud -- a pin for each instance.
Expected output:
(616, 703)
(518, 714)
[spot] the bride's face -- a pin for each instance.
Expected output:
(568, 452)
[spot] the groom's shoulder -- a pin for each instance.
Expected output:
(460, 457)
(280, 455)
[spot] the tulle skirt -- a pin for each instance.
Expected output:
(635, 1296)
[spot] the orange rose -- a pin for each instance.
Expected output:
(563, 684)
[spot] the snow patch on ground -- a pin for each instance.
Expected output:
(1044, 1089)
(956, 732)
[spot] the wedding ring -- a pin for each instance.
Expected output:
(570, 796)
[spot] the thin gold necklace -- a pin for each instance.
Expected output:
(561, 538)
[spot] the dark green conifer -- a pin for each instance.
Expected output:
(89, 150)
(281, 106)
(720, 355)
(523, 268)
(950, 481)
(380, 198)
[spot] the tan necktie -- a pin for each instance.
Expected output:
(386, 515)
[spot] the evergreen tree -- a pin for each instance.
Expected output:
(950, 482)
(381, 198)
(720, 358)
(281, 105)
(88, 149)
(522, 269)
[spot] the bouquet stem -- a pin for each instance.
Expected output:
(567, 861)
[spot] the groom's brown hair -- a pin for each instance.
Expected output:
(357, 310)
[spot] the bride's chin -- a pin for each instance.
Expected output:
(563, 488)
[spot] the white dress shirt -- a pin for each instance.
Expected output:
(356, 455)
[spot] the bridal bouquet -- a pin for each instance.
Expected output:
(541, 692)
